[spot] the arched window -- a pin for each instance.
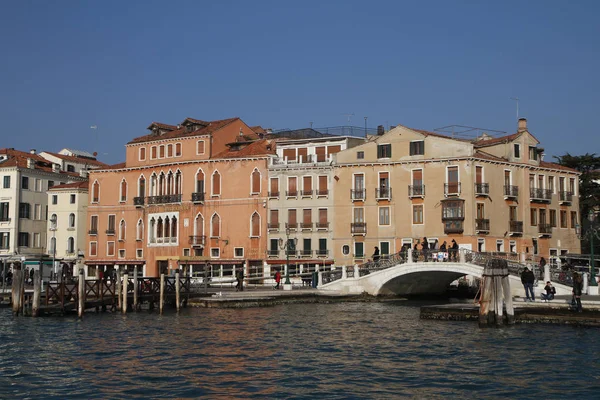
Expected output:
(53, 222)
(140, 230)
(123, 190)
(152, 230)
(215, 226)
(141, 186)
(216, 184)
(174, 228)
(177, 182)
(169, 150)
(255, 225)
(52, 247)
(170, 183)
(153, 185)
(200, 181)
(71, 220)
(70, 245)
(167, 227)
(161, 184)
(255, 181)
(159, 228)
(122, 230)
(95, 192)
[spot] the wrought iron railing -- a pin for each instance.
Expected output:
(164, 199)
(511, 191)
(197, 240)
(515, 227)
(357, 194)
(322, 225)
(416, 190)
(138, 201)
(482, 189)
(197, 197)
(452, 189)
(383, 193)
(542, 195)
(545, 229)
(358, 228)
(482, 224)
(566, 197)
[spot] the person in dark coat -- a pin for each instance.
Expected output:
(239, 276)
(550, 291)
(376, 254)
(577, 289)
(415, 253)
(31, 272)
(453, 253)
(527, 279)
(425, 248)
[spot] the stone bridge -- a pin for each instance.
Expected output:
(402, 276)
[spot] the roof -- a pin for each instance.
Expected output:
(78, 159)
(74, 185)
(259, 130)
(305, 133)
(162, 126)
(17, 158)
(195, 121)
(546, 164)
(496, 140)
(260, 147)
(182, 132)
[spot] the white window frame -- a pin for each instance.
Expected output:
(412, 213)
(121, 254)
(482, 241)
(203, 148)
(342, 249)
(501, 243)
(512, 243)
(234, 251)
(363, 250)
(520, 151)
(180, 149)
(218, 251)
(389, 216)
(140, 154)
(259, 224)
(156, 152)
(211, 225)
(212, 184)
(139, 253)
(252, 191)
(90, 248)
(107, 247)
(164, 152)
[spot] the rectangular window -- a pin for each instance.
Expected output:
(417, 214)
(121, 253)
(161, 151)
(551, 185)
(6, 184)
(417, 148)
(38, 184)
(93, 249)
(307, 185)
(111, 225)
(55, 199)
(333, 149)
(322, 247)
(170, 150)
(512, 213)
(292, 186)
(94, 223)
(384, 215)
(186, 252)
(453, 185)
(50, 184)
(563, 218)
(517, 150)
(110, 248)
(573, 219)
(153, 152)
(323, 190)
(533, 154)
(323, 222)
(142, 153)
(512, 246)
(274, 187)
(359, 249)
(307, 218)
(4, 240)
(320, 151)
(37, 211)
(4, 212)
(553, 218)
(359, 215)
(303, 154)
(238, 252)
(215, 252)
(290, 154)
(384, 249)
(24, 210)
(23, 239)
(533, 217)
(478, 174)
(24, 182)
(72, 199)
(572, 186)
(384, 151)
(274, 219)
(177, 149)
(292, 221)
(480, 211)
(307, 247)
(500, 245)
(360, 155)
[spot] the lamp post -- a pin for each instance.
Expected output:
(592, 233)
(53, 229)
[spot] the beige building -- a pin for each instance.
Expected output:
(489, 194)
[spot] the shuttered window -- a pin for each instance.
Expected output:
(216, 184)
(307, 216)
(255, 181)
(215, 226)
(322, 216)
(274, 187)
(292, 187)
(292, 217)
(384, 151)
(275, 217)
(307, 184)
(200, 147)
(333, 149)
(290, 154)
(303, 154)
(417, 148)
(478, 174)
(320, 153)
(322, 184)
(255, 225)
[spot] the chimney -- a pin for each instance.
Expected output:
(380, 130)
(32, 151)
(55, 168)
(522, 125)
(30, 163)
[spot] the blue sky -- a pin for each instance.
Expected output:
(119, 65)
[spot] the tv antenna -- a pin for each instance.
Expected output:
(517, 100)
(349, 117)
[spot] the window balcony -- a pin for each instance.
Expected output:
(482, 189)
(198, 197)
(322, 192)
(291, 193)
(307, 193)
(273, 253)
(110, 231)
(515, 228)
(416, 191)
(545, 230)
(511, 192)
(384, 193)
(322, 253)
(197, 241)
(93, 231)
(358, 194)
(290, 253)
(322, 226)
(291, 226)
(273, 226)
(565, 198)
(358, 228)
(274, 195)
(306, 226)
(306, 253)
(164, 199)
(540, 195)
(452, 189)
(138, 201)
(482, 225)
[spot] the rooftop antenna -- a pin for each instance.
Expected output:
(349, 117)
(517, 100)
(95, 128)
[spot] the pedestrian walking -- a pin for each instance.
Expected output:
(577, 289)
(527, 279)
(454, 251)
(239, 276)
(277, 279)
(376, 254)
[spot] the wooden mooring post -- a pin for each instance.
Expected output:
(118, 288)
(162, 293)
(135, 288)
(125, 287)
(37, 293)
(81, 294)
(177, 299)
(16, 291)
(495, 293)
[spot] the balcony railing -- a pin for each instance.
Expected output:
(482, 225)
(110, 231)
(273, 226)
(322, 252)
(566, 197)
(290, 252)
(273, 253)
(292, 225)
(93, 231)
(545, 229)
(322, 225)
(306, 225)
(511, 192)
(358, 194)
(452, 189)
(358, 228)
(197, 240)
(322, 192)
(515, 227)
(165, 199)
(416, 191)
(482, 189)
(306, 253)
(291, 193)
(540, 195)
(198, 197)
(138, 201)
(384, 193)
(274, 194)
(307, 193)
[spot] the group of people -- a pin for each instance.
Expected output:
(528, 280)
(449, 253)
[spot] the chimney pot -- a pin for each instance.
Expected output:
(32, 151)
(522, 124)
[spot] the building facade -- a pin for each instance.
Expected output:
(488, 194)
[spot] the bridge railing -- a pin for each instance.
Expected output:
(382, 263)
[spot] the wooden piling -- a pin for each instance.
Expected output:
(37, 293)
(135, 288)
(23, 304)
(16, 291)
(494, 292)
(177, 299)
(125, 285)
(162, 292)
(118, 288)
(81, 294)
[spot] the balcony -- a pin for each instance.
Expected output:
(511, 192)
(453, 225)
(357, 194)
(383, 193)
(545, 230)
(273, 253)
(307, 193)
(306, 253)
(452, 189)
(164, 199)
(93, 231)
(515, 228)
(110, 231)
(138, 201)
(306, 226)
(291, 193)
(274, 195)
(322, 253)
(273, 226)
(565, 198)
(291, 226)
(322, 225)
(322, 192)
(540, 195)
(416, 191)
(482, 189)
(198, 197)
(197, 241)
(290, 252)
(358, 228)
(482, 225)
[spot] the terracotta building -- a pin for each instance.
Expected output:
(187, 196)
(489, 194)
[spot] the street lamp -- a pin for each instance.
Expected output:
(287, 246)
(591, 232)
(53, 229)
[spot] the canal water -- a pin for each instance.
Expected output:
(304, 351)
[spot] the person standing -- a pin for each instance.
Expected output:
(454, 251)
(542, 266)
(239, 276)
(416, 251)
(425, 249)
(577, 289)
(277, 279)
(376, 254)
(527, 279)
